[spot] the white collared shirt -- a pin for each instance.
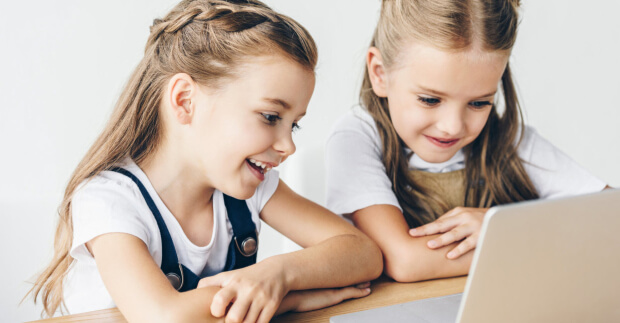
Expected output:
(457, 162)
(356, 177)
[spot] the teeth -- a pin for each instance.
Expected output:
(264, 166)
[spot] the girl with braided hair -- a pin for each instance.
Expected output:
(439, 137)
(161, 216)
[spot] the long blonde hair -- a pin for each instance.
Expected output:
(208, 40)
(494, 173)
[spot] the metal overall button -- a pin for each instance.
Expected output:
(175, 280)
(248, 246)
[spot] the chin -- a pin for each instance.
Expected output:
(241, 193)
(436, 158)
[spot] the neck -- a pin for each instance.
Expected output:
(179, 184)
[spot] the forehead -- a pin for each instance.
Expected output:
(273, 77)
(467, 73)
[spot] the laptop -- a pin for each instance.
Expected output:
(536, 261)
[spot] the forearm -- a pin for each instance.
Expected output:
(195, 306)
(338, 261)
(411, 260)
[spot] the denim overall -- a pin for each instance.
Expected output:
(241, 251)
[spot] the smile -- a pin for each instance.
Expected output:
(442, 142)
(259, 169)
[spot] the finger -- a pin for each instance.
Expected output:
(435, 227)
(221, 300)
(463, 247)
(238, 310)
(457, 234)
(267, 313)
(253, 312)
(455, 211)
(352, 292)
(217, 281)
(363, 285)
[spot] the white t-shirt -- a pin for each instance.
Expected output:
(112, 202)
(356, 176)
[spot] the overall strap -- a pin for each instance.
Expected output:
(179, 276)
(244, 244)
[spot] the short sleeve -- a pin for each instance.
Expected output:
(264, 191)
(356, 176)
(104, 206)
(553, 173)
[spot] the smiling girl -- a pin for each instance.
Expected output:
(439, 137)
(170, 196)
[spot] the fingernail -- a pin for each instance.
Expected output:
(451, 254)
(432, 243)
(367, 290)
(413, 231)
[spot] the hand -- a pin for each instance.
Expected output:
(457, 224)
(310, 300)
(255, 293)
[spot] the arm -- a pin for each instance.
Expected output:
(407, 258)
(143, 294)
(138, 286)
(336, 255)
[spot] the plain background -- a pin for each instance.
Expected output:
(64, 62)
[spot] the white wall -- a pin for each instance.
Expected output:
(64, 62)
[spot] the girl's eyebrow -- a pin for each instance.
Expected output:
(424, 89)
(489, 94)
(439, 93)
(280, 102)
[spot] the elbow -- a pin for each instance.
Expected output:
(403, 269)
(395, 272)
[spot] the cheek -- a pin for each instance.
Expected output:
(476, 122)
(410, 122)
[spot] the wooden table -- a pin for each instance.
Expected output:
(384, 292)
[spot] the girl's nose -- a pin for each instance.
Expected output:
(450, 121)
(285, 145)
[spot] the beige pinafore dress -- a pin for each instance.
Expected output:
(449, 186)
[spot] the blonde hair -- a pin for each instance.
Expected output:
(208, 40)
(494, 173)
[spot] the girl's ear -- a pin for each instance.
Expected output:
(181, 90)
(376, 72)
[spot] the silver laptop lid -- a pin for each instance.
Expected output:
(547, 261)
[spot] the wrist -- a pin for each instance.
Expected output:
(278, 266)
(290, 303)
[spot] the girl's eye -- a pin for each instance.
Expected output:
(428, 101)
(271, 119)
(480, 104)
(296, 127)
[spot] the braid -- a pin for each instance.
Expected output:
(226, 16)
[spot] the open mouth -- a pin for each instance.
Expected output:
(258, 166)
